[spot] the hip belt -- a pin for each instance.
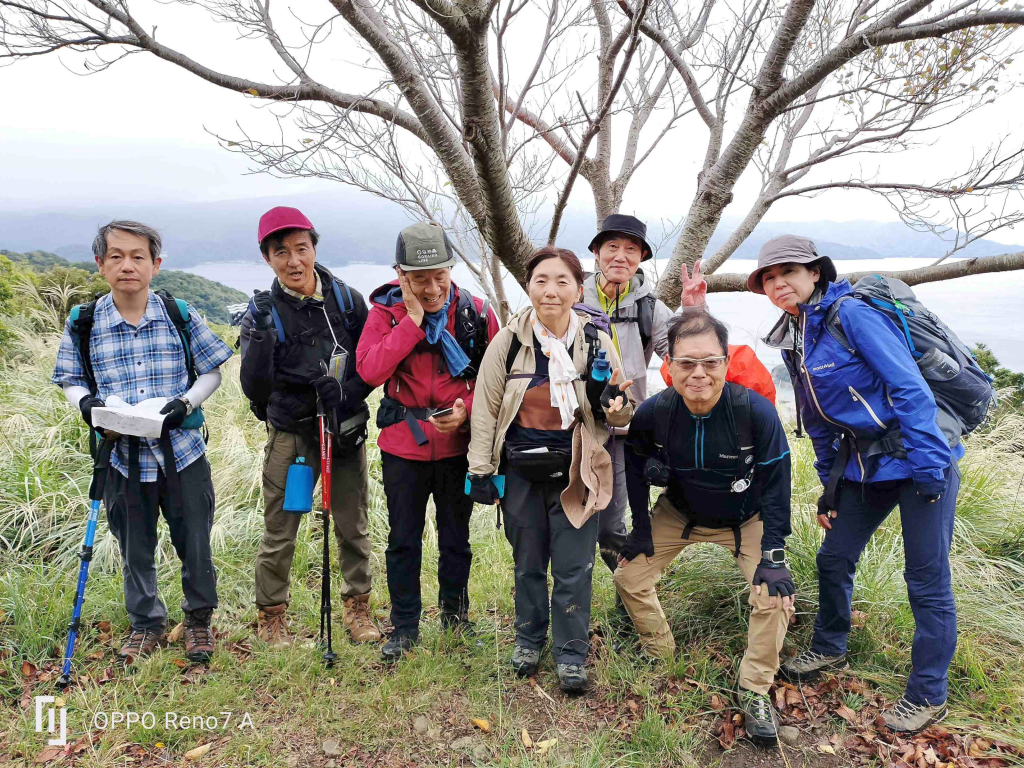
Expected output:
(391, 412)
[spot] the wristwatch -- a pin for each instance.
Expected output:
(188, 405)
(777, 555)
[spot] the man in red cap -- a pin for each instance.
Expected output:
(308, 318)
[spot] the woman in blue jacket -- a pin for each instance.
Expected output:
(871, 418)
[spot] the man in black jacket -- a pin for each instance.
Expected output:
(308, 318)
(721, 453)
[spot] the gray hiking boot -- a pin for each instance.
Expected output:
(908, 717)
(525, 661)
(572, 678)
(759, 717)
(807, 665)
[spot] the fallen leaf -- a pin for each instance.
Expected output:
(527, 741)
(728, 736)
(176, 633)
(826, 748)
(49, 754)
(180, 663)
(482, 724)
(930, 757)
(717, 703)
(633, 705)
(26, 697)
(28, 670)
(159, 745)
(96, 655)
(195, 754)
(847, 714)
(544, 746)
(103, 626)
(59, 702)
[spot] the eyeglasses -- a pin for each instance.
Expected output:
(690, 364)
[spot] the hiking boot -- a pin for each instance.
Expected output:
(198, 636)
(572, 678)
(758, 717)
(357, 620)
(525, 661)
(272, 626)
(141, 642)
(907, 717)
(399, 644)
(807, 665)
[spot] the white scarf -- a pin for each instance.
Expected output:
(561, 369)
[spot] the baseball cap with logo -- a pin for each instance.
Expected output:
(423, 246)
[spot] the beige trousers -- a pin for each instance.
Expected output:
(636, 582)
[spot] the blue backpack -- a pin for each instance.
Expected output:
(963, 391)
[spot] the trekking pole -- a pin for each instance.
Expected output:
(326, 455)
(99, 476)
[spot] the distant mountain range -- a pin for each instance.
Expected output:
(358, 228)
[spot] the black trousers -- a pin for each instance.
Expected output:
(408, 484)
(134, 526)
(539, 532)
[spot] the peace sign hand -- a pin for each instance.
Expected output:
(612, 401)
(695, 288)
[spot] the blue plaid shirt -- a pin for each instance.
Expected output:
(140, 362)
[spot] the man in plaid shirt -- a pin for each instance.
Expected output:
(136, 353)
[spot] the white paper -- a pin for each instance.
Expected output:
(542, 449)
(141, 420)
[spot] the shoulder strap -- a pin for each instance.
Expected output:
(645, 319)
(663, 412)
(348, 308)
(834, 325)
(739, 398)
(177, 309)
(513, 350)
(82, 317)
(593, 344)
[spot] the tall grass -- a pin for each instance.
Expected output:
(44, 479)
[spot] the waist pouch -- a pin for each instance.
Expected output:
(538, 466)
(351, 433)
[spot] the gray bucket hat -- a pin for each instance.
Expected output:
(423, 246)
(789, 249)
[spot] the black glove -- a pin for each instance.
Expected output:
(328, 389)
(638, 542)
(262, 319)
(777, 577)
(482, 490)
(86, 404)
(823, 507)
(611, 391)
(176, 412)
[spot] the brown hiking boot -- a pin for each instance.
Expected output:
(272, 623)
(142, 642)
(199, 636)
(358, 622)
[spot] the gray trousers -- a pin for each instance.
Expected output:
(134, 526)
(539, 532)
(611, 534)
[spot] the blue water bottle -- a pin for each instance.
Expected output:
(298, 488)
(602, 370)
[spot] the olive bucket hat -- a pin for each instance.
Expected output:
(789, 249)
(423, 246)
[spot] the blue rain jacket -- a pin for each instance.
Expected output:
(865, 394)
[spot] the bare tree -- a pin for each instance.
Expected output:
(477, 118)
(829, 80)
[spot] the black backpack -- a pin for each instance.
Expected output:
(594, 388)
(739, 402)
(963, 391)
(644, 318)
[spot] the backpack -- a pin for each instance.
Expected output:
(348, 318)
(471, 332)
(594, 388)
(81, 322)
(744, 368)
(962, 390)
(348, 311)
(644, 319)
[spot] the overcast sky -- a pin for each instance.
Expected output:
(141, 132)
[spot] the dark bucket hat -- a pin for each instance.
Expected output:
(789, 249)
(624, 225)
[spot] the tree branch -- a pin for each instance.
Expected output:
(1008, 262)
